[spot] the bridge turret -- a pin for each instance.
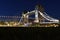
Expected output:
(39, 7)
(25, 11)
(25, 17)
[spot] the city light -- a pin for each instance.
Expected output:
(25, 21)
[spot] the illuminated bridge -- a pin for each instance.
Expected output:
(41, 17)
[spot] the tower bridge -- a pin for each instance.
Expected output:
(41, 18)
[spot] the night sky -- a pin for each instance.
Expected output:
(16, 7)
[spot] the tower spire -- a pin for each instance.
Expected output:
(39, 7)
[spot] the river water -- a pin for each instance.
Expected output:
(30, 33)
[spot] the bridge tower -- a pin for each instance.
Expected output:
(25, 17)
(38, 17)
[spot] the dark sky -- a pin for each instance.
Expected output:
(16, 7)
